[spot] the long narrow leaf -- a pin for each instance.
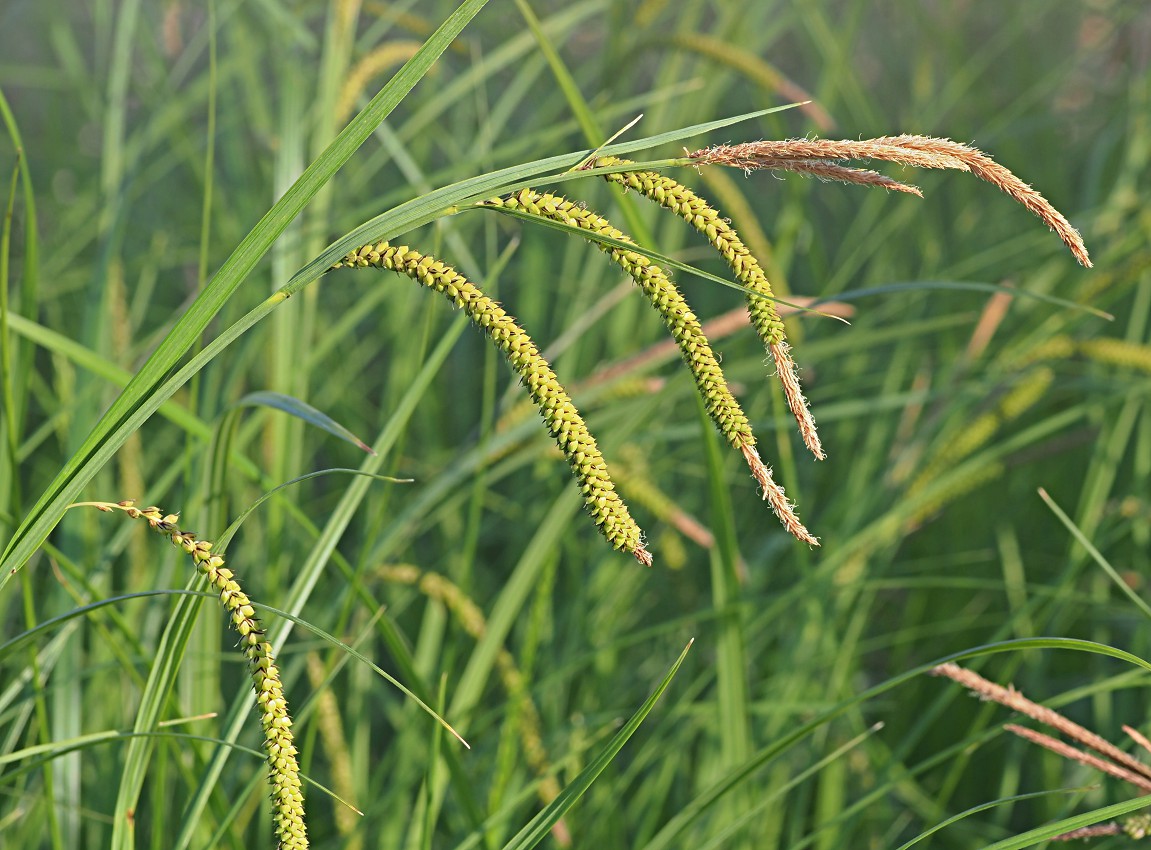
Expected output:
(111, 431)
(538, 828)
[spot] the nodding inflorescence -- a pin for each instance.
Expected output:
(720, 403)
(821, 158)
(679, 199)
(918, 151)
(279, 745)
(563, 421)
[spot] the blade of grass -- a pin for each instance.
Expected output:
(541, 824)
(30, 284)
(141, 393)
(1095, 554)
(730, 650)
(970, 286)
(976, 810)
(1045, 833)
(426, 208)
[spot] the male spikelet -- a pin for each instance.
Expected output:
(1096, 751)
(685, 328)
(919, 151)
(697, 212)
(283, 769)
(551, 399)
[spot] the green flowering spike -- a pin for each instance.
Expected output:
(721, 404)
(1117, 352)
(697, 212)
(283, 768)
(555, 406)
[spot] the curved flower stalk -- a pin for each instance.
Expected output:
(920, 151)
(674, 196)
(554, 404)
(283, 769)
(721, 404)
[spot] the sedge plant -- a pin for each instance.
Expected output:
(378, 244)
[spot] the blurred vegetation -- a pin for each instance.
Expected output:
(155, 136)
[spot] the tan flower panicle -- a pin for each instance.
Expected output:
(919, 151)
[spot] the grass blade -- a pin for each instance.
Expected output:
(110, 432)
(538, 828)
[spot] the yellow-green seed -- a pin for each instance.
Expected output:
(280, 751)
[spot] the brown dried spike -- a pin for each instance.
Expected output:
(985, 168)
(796, 401)
(1068, 752)
(1138, 738)
(751, 154)
(1017, 702)
(832, 171)
(920, 151)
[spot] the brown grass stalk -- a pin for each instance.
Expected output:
(1069, 752)
(1014, 700)
(842, 173)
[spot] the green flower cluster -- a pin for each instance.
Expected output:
(283, 768)
(697, 212)
(555, 406)
(721, 404)
(674, 196)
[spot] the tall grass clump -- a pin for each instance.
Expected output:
(221, 225)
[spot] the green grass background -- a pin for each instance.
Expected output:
(156, 137)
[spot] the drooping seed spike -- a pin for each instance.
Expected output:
(720, 403)
(553, 402)
(674, 196)
(279, 747)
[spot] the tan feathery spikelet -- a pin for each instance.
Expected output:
(751, 155)
(1016, 701)
(842, 174)
(554, 404)
(919, 151)
(697, 212)
(1110, 759)
(720, 403)
(283, 768)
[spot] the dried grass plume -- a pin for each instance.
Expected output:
(811, 155)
